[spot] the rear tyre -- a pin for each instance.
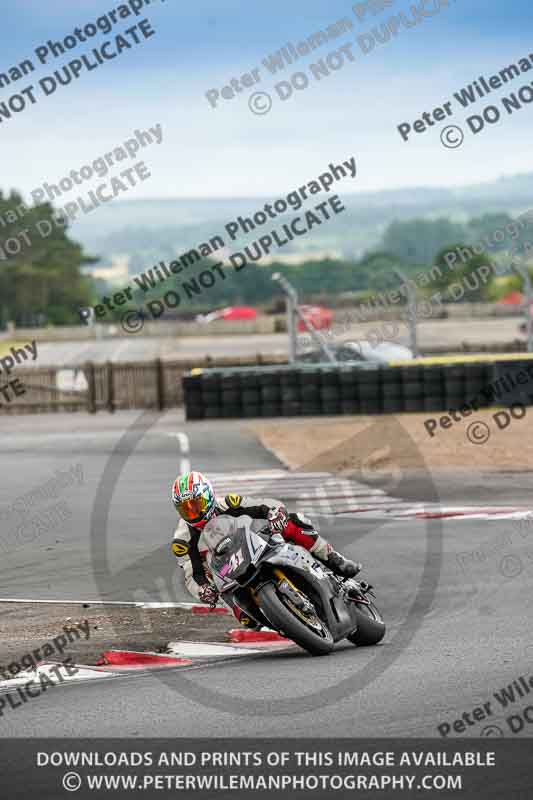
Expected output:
(370, 627)
(284, 620)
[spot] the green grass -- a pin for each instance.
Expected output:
(6, 346)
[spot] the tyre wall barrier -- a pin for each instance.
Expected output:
(324, 389)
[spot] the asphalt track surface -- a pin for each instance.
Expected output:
(136, 347)
(124, 348)
(459, 628)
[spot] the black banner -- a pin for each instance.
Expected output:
(52, 769)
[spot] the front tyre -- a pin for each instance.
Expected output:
(370, 626)
(317, 640)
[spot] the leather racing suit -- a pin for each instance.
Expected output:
(185, 544)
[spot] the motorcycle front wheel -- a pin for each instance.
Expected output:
(370, 626)
(312, 635)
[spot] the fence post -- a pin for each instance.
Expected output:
(110, 387)
(91, 387)
(160, 383)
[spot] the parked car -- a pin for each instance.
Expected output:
(363, 351)
(231, 314)
(319, 317)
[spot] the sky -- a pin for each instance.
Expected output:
(230, 151)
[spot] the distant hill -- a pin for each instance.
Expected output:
(149, 230)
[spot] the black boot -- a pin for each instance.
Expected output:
(342, 566)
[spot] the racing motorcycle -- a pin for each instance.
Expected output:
(282, 586)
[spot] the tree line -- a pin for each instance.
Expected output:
(41, 278)
(40, 266)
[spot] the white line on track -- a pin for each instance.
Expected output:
(119, 349)
(130, 603)
(321, 494)
(185, 448)
(49, 668)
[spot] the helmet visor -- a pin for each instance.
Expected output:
(193, 510)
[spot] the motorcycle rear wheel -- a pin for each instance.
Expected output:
(284, 620)
(370, 627)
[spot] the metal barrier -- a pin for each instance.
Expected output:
(246, 387)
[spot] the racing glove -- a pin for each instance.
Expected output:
(208, 594)
(277, 519)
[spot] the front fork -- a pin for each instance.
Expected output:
(280, 578)
(286, 587)
(299, 601)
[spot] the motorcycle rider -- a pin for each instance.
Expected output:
(195, 501)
